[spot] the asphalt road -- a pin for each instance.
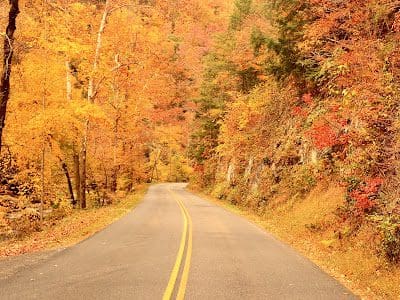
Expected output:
(175, 245)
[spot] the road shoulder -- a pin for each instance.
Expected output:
(72, 229)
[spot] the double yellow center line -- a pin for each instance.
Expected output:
(187, 235)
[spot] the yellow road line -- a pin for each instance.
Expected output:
(187, 231)
(174, 275)
(186, 269)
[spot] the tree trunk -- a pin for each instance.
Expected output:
(102, 27)
(114, 180)
(116, 166)
(75, 198)
(82, 195)
(91, 96)
(154, 168)
(69, 181)
(77, 174)
(7, 62)
(68, 81)
(43, 182)
(105, 177)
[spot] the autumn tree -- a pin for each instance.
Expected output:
(111, 99)
(8, 52)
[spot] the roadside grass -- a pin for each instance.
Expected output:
(73, 228)
(309, 225)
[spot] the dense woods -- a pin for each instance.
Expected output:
(258, 102)
(299, 94)
(100, 100)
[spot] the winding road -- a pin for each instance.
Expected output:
(175, 245)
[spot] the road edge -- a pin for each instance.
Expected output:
(54, 239)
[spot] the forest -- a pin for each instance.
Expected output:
(287, 109)
(99, 98)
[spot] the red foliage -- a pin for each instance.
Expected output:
(198, 169)
(307, 98)
(362, 201)
(335, 108)
(323, 136)
(298, 111)
(365, 196)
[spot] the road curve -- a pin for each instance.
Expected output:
(175, 245)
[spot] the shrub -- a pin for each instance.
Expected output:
(24, 222)
(362, 195)
(390, 227)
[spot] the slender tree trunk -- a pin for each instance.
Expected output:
(116, 166)
(82, 195)
(114, 180)
(75, 198)
(102, 27)
(154, 169)
(7, 62)
(170, 166)
(69, 181)
(68, 81)
(43, 160)
(77, 174)
(91, 96)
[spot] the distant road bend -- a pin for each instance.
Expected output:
(175, 245)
